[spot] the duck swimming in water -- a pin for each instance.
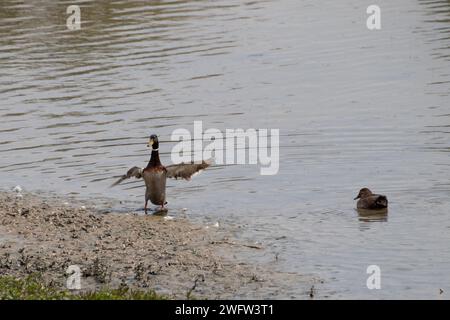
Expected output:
(155, 174)
(368, 200)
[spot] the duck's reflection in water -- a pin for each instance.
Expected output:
(372, 215)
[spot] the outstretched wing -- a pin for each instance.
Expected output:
(186, 170)
(133, 172)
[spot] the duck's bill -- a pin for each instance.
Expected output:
(356, 198)
(150, 143)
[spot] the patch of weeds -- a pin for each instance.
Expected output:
(34, 288)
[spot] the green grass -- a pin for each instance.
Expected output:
(33, 288)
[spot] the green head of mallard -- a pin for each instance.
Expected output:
(153, 142)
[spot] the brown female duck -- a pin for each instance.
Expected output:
(155, 174)
(368, 200)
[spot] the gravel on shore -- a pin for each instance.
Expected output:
(173, 257)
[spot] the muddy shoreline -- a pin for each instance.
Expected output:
(174, 257)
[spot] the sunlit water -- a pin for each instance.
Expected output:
(354, 107)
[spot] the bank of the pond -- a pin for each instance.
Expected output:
(34, 288)
(150, 254)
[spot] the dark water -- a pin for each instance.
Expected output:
(354, 107)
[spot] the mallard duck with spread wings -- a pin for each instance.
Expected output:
(155, 174)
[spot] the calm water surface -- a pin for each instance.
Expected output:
(354, 107)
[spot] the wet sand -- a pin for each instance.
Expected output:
(172, 257)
